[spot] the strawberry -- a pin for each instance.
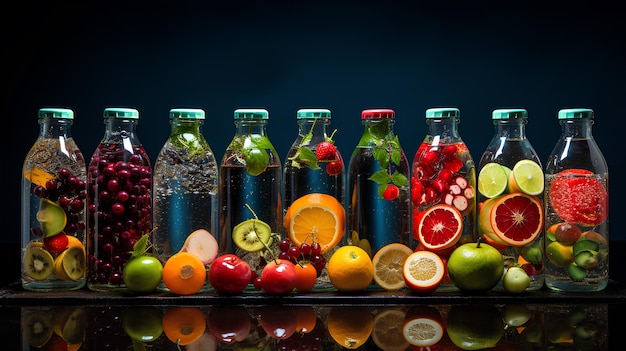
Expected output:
(56, 243)
(334, 168)
(325, 151)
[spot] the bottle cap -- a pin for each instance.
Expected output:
(63, 113)
(384, 113)
(570, 113)
(443, 112)
(513, 113)
(313, 113)
(251, 113)
(187, 113)
(121, 112)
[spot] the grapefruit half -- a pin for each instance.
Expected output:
(440, 227)
(516, 219)
(578, 197)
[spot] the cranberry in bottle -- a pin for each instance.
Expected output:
(119, 195)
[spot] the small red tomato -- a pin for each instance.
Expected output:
(391, 192)
(306, 276)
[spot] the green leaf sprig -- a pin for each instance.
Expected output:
(305, 157)
(388, 152)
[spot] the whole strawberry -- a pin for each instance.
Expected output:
(325, 151)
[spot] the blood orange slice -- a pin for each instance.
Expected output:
(578, 197)
(516, 219)
(440, 227)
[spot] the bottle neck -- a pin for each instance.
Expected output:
(511, 129)
(580, 128)
(316, 127)
(55, 128)
(251, 127)
(445, 128)
(118, 129)
(378, 128)
(180, 126)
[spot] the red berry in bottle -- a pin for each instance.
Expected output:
(56, 243)
(117, 209)
(325, 151)
(391, 192)
(334, 168)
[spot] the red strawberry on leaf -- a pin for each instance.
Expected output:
(325, 151)
(56, 243)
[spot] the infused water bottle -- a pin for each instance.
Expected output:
(314, 174)
(119, 195)
(185, 193)
(443, 188)
(577, 204)
(250, 191)
(510, 191)
(54, 192)
(379, 204)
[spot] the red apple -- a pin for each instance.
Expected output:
(229, 324)
(279, 322)
(229, 274)
(278, 277)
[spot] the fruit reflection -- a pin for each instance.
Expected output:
(143, 323)
(230, 324)
(279, 322)
(475, 327)
(350, 326)
(183, 325)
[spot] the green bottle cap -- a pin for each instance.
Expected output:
(313, 113)
(187, 113)
(251, 113)
(511, 113)
(443, 112)
(121, 112)
(61, 113)
(384, 113)
(570, 113)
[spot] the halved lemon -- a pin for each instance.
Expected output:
(389, 264)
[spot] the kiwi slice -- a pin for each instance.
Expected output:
(38, 263)
(587, 259)
(70, 324)
(51, 217)
(73, 262)
(252, 235)
(584, 245)
(576, 273)
(37, 327)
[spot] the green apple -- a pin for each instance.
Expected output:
(515, 280)
(475, 267)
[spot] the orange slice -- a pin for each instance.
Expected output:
(387, 331)
(440, 227)
(316, 218)
(423, 271)
(514, 219)
(388, 266)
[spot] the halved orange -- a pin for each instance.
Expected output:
(440, 227)
(423, 271)
(388, 266)
(515, 219)
(318, 218)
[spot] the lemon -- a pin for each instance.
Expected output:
(492, 180)
(527, 176)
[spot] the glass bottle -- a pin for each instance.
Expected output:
(378, 185)
(185, 198)
(577, 204)
(54, 189)
(119, 194)
(443, 187)
(306, 173)
(510, 174)
(250, 191)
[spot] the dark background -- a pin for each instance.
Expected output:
(345, 56)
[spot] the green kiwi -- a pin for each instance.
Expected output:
(576, 273)
(51, 217)
(252, 235)
(37, 327)
(73, 262)
(587, 259)
(38, 263)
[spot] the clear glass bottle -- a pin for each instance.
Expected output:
(443, 185)
(54, 191)
(306, 173)
(379, 203)
(577, 206)
(510, 174)
(250, 188)
(185, 196)
(119, 194)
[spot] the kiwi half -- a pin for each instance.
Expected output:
(252, 235)
(51, 217)
(37, 327)
(38, 263)
(73, 262)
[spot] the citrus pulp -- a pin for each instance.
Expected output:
(516, 219)
(388, 266)
(440, 227)
(423, 271)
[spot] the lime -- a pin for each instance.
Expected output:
(492, 180)
(527, 176)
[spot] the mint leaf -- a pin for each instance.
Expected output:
(140, 246)
(399, 179)
(380, 177)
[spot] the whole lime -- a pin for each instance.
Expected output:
(142, 274)
(475, 267)
(474, 327)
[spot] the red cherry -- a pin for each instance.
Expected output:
(391, 192)
(334, 168)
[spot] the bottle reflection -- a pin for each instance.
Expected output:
(512, 326)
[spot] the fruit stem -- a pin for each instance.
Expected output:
(478, 241)
(256, 218)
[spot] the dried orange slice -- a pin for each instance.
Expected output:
(388, 266)
(316, 217)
